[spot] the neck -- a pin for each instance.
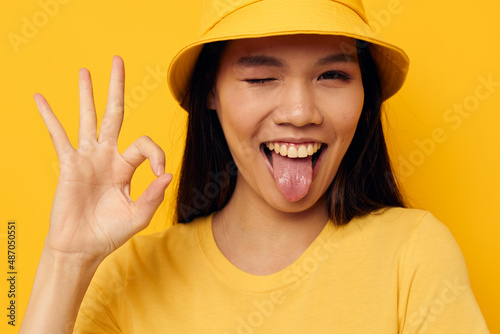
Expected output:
(260, 239)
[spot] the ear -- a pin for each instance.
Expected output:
(211, 105)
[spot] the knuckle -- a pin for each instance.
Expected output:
(145, 138)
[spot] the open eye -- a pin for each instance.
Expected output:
(259, 81)
(332, 75)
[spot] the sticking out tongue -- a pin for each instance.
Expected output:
(293, 176)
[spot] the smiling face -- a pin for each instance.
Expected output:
(288, 106)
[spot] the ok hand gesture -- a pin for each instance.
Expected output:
(92, 212)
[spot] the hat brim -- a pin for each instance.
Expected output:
(324, 18)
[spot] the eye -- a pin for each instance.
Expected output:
(332, 75)
(259, 81)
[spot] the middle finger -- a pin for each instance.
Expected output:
(113, 116)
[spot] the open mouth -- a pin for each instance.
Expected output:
(293, 166)
(312, 150)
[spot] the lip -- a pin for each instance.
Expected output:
(292, 140)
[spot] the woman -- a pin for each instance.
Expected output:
(294, 222)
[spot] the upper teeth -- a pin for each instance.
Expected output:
(294, 150)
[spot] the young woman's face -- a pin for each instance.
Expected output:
(288, 94)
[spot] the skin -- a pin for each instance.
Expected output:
(301, 99)
(92, 213)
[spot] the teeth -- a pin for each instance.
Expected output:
(283, 150)
(302, 151)
(294, 151)
(310, 149)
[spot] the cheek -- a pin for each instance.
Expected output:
(236, 125)
(240, 113)
(354, 108)
(344, 111)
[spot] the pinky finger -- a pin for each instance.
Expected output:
(57, 134)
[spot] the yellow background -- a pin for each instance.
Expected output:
(448, 162)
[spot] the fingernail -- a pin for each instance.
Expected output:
(160, 169)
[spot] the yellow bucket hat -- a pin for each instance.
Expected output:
(236, 19)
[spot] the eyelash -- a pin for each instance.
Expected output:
(259, 81)
(333, 75)
(336, 75)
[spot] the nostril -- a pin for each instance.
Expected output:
(299, 117)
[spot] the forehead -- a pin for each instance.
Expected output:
(315, 46)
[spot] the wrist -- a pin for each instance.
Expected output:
(71, 260)
(58, 274)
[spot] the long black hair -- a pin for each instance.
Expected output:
(364, 181)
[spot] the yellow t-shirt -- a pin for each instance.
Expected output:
(395, 271)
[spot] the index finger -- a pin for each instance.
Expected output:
(57, 134)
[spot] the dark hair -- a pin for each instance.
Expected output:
(364, 181)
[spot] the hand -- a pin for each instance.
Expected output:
(92, 213)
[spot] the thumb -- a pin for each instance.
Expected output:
(150, 200)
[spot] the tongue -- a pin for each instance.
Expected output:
(293, 176)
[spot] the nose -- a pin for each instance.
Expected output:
(298, 106)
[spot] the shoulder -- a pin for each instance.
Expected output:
(419, 226)
(176, 238)
(434, 292)
(423, 245)
(409, 224)
(404, 218)
(412, 235)
(151, 251)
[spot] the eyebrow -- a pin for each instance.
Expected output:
(337, 58)
(263, 60)
(259, 60)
